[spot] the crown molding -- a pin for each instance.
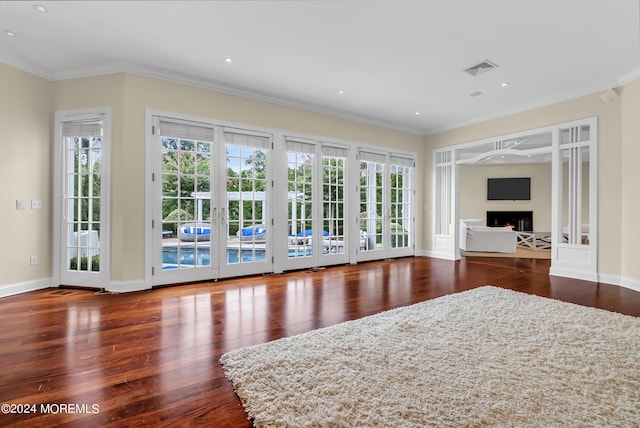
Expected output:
(23, 65)
(521, 109)
(212, 85)
(629, 77)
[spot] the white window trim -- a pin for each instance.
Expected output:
(103, 279)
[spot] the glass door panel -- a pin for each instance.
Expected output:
(316, 206)
(575, 191)
(300, 205)
(244, 209)
(81, 212)
(401, 219)
(371, 205)
(333, 206)
(183, 225)
(83, 156)
(186, 204)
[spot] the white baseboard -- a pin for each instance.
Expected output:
(127, 286)
(39, 284)
(7, 290)
(630, 283)
(436, 254)
(24, 287)
(568, 273)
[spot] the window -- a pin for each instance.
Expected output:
(81, 194)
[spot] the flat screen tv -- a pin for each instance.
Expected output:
(509, 189)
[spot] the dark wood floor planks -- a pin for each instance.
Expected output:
(151, 358)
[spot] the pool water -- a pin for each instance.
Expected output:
(188, 256)
(202, 256)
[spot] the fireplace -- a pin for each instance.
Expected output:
(521, 221)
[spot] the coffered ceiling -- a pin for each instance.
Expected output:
(394, 63)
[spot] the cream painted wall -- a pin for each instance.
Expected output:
(104, 91)
(630, 181)
(473, 192)
(144, 92)
(25, 166)
(610, 149)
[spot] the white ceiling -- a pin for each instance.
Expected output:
(392, 58)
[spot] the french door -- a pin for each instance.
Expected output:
(316, 204)
(209, 202)
(245, 225)
(400, 214)
(184, 232)
(386, 216)
(226, 201)
(335, 208)
(82, 202)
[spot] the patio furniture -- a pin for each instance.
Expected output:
(257, 233)
(194, 232)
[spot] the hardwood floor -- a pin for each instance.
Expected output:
(151, 358)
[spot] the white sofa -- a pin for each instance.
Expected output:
(474, 236)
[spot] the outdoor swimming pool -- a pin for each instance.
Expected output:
(188, 256)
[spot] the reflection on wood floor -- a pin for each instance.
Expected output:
(151, 358)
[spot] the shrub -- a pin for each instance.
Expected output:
(170, 222)
(95, 263)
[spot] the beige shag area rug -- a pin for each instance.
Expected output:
(487, 357)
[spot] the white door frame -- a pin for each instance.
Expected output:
(317, 243)
(61, 275)
(154, 274)
(573, 259)
(384, 158)
(445, 205)
(154, 185)
(254, 267)
(574, 253)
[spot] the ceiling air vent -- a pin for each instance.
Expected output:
(481, 68)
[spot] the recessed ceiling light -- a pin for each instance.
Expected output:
(228, 60)
(505, 84)
(475, 94)
(40, 8)
(341, 91)
(9, 33)
(417, 113)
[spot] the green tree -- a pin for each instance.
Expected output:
(87, 166)
(186, 170)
